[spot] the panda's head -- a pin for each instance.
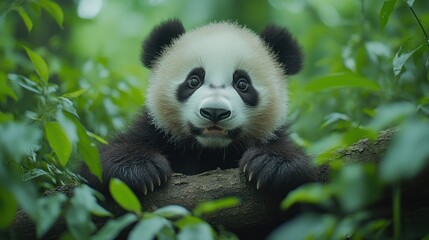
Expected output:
(220, 83)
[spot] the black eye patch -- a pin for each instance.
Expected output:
(193, 81)
(243, 85)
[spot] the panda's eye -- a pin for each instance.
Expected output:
(242, 84)
(194, 81)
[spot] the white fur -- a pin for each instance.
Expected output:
(220, 49)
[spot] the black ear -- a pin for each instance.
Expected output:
(284, 46)
(160, 37)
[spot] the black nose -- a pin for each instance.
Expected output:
(215, 114)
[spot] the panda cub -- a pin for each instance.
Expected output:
(217, 98)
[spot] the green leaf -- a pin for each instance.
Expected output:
(172, 211)
(216, 205)
(39, 64)
(408, 153)
(24, 16)
(8, 208)
(124, 196)
(113, 227)
(6, 117)
(34, 173)
(78, 220)
(48, 211)
(5, 89)
(385, 12)
(87, 149)
(18, 139)
(148, 228)
(84, 195)
(349, 80)
(357, 186)
(98, 138)
(188, 220)
(306, 226)
(313, 193)
(410, 3)
(400, 60)
(25, 82)
(390, 115)
(58, 141)
(75, 94)
(200, 231)
(54, 10)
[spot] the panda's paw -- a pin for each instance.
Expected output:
(143, 175)
(155, 172)
(273, 172)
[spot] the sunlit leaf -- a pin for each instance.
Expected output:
(400, 60)
(148, 228)
(48, 211)
(410, 3)
(24, 16)
(124, 196)
(54, 10)
(113, 227)
(408, 153)
(385, 12)
(314, 193)
(39, 64)
(8, 208)
(216, 205)
(58, 141)
(98, 138)
(348, 80)
(172, 211)
(75, 94)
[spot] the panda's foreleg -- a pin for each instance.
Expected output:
(140, 166)
(278, 166)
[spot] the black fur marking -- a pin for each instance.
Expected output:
(160, 37)
(184, 91)
(284, 46)
(250, 95)
(277, 167)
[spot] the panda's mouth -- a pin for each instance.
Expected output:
(214, 131)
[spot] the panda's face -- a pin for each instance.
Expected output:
(218, 84)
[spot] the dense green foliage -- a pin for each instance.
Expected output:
(70, 75)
